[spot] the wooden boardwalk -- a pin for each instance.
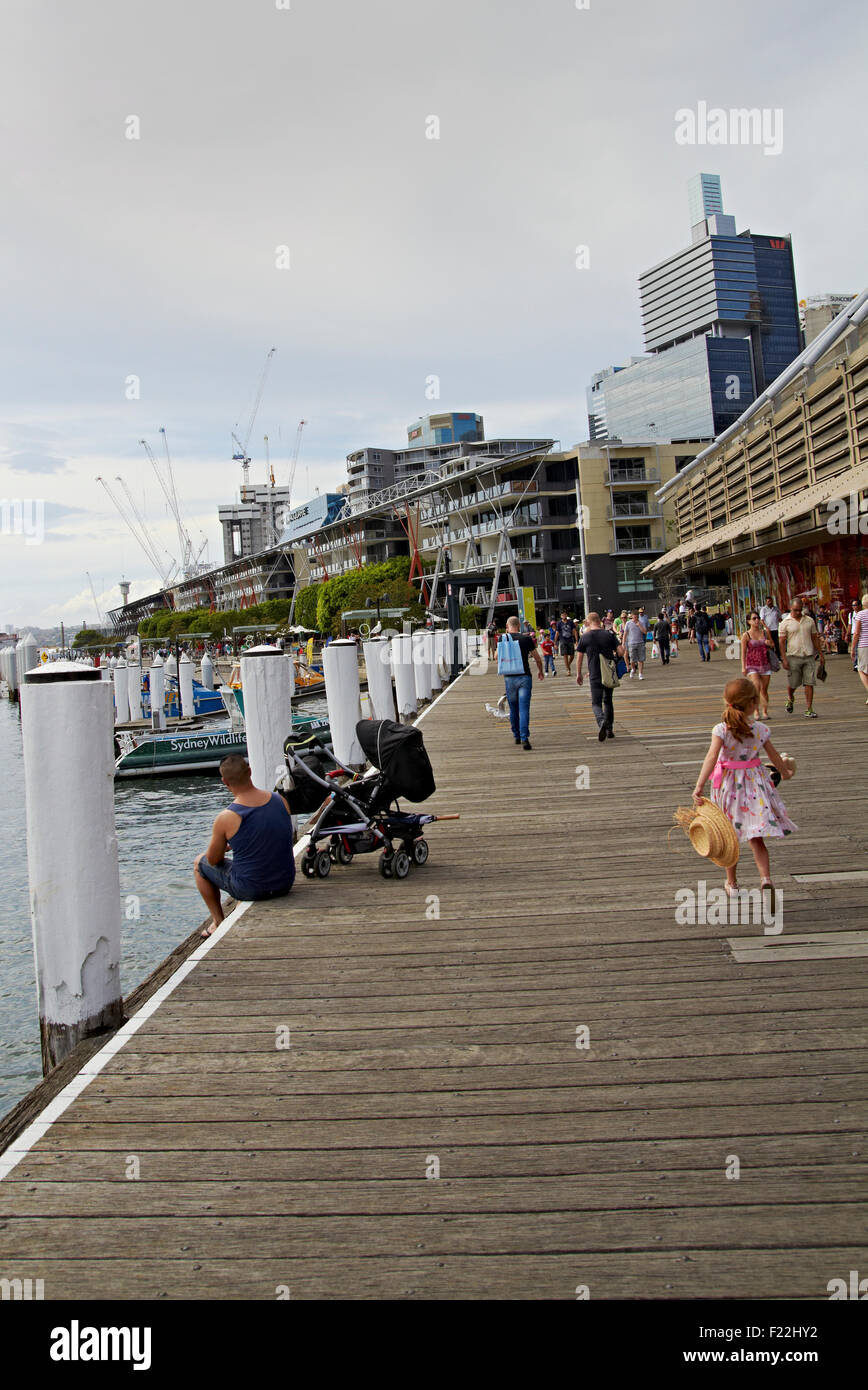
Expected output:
(433, 1023)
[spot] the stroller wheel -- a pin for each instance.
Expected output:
(420, 851)
(323, 863)
(343, 855)
(308, 861)
(400, 863)
(386, 865)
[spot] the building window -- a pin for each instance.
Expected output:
(569, 576)
(631, 579)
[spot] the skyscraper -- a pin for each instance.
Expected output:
(720, 321)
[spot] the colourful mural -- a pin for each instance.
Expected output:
(829, 575)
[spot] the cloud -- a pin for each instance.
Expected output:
(27, 462)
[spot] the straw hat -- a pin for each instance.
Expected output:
(711, 832)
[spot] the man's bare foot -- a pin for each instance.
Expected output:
(212, 927)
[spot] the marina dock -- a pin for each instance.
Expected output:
(513, 1074)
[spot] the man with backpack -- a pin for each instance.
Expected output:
(601, 646)
(702, 629)
(513, 651)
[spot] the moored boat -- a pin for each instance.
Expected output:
(192, 752)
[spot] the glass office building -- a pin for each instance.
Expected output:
(720, 322)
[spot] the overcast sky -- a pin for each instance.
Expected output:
(305, 127)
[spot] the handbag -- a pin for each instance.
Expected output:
(609, 673)
(773, 658)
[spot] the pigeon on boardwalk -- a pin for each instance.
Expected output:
(499, 710)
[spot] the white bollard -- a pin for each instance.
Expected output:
(207, 671)
(267, 712)
(122, 703)
(185, 686)
(462, 646)
(134, 687)
(421, 666)
(156, 676)
(405, 678)
(341, 667)
(290, 666)
(430, 644)
(75, 894)
(379, 668)
(171, 665)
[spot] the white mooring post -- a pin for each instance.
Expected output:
(341, 668)
(185, 686)
(433, 640)
(171, 665)
(379, 668)
(421, 666)
(405, 677)
(134, 687)
(122, 704)
(207, 671)
(72, 857)
(158, 693)
(267, 712)
(290, 666)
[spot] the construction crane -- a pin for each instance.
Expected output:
(99, 617)
(189, 558)
(171, 568)
(242, 455)
(139, 531)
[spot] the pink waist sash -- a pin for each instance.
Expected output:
(717, 774)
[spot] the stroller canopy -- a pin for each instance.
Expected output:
(398, 751)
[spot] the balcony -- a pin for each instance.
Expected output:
(627, 477)
(650, 512)
(629, 545)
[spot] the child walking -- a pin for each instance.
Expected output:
(548, 650)
(741, 785)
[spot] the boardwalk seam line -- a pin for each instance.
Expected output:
(37, 1129)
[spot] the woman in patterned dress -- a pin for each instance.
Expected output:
(755, 658)
(741, 785)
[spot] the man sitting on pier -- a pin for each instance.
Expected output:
(257, 827)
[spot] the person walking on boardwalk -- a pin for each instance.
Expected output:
(633, 638)
(800, 650)
(741, 785)
(599, 645)
(755, 645)
(567, 639)
(257, 827)
(491, 633)
(770, 614)
(513, 652)
(859, 647)
(548, 651)
(702, 629)
(662, 636)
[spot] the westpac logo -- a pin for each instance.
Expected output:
(714, 907)
(777, 243)
(22, 1289)
(737, 126)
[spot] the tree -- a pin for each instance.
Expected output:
(88, 637)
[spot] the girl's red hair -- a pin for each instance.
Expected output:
(740, 696)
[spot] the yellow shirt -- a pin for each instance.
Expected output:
(796, 637)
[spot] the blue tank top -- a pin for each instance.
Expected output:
(262, 859)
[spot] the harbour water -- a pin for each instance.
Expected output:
(162, 824)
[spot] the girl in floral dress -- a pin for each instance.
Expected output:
(741, 785)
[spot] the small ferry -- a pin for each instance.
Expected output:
(155, 755)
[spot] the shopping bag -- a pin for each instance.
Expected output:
(655, 650)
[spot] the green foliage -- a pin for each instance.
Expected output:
(469, 615)
(88, 637)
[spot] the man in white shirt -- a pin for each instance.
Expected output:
(800, 648)
(771, 616)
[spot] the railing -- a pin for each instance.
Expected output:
(628, 545)
(619, 514)
(633, 475)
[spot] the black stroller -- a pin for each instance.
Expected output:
(363, 815)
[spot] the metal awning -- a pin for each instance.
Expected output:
(786, 509)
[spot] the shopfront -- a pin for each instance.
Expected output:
(827, 575)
